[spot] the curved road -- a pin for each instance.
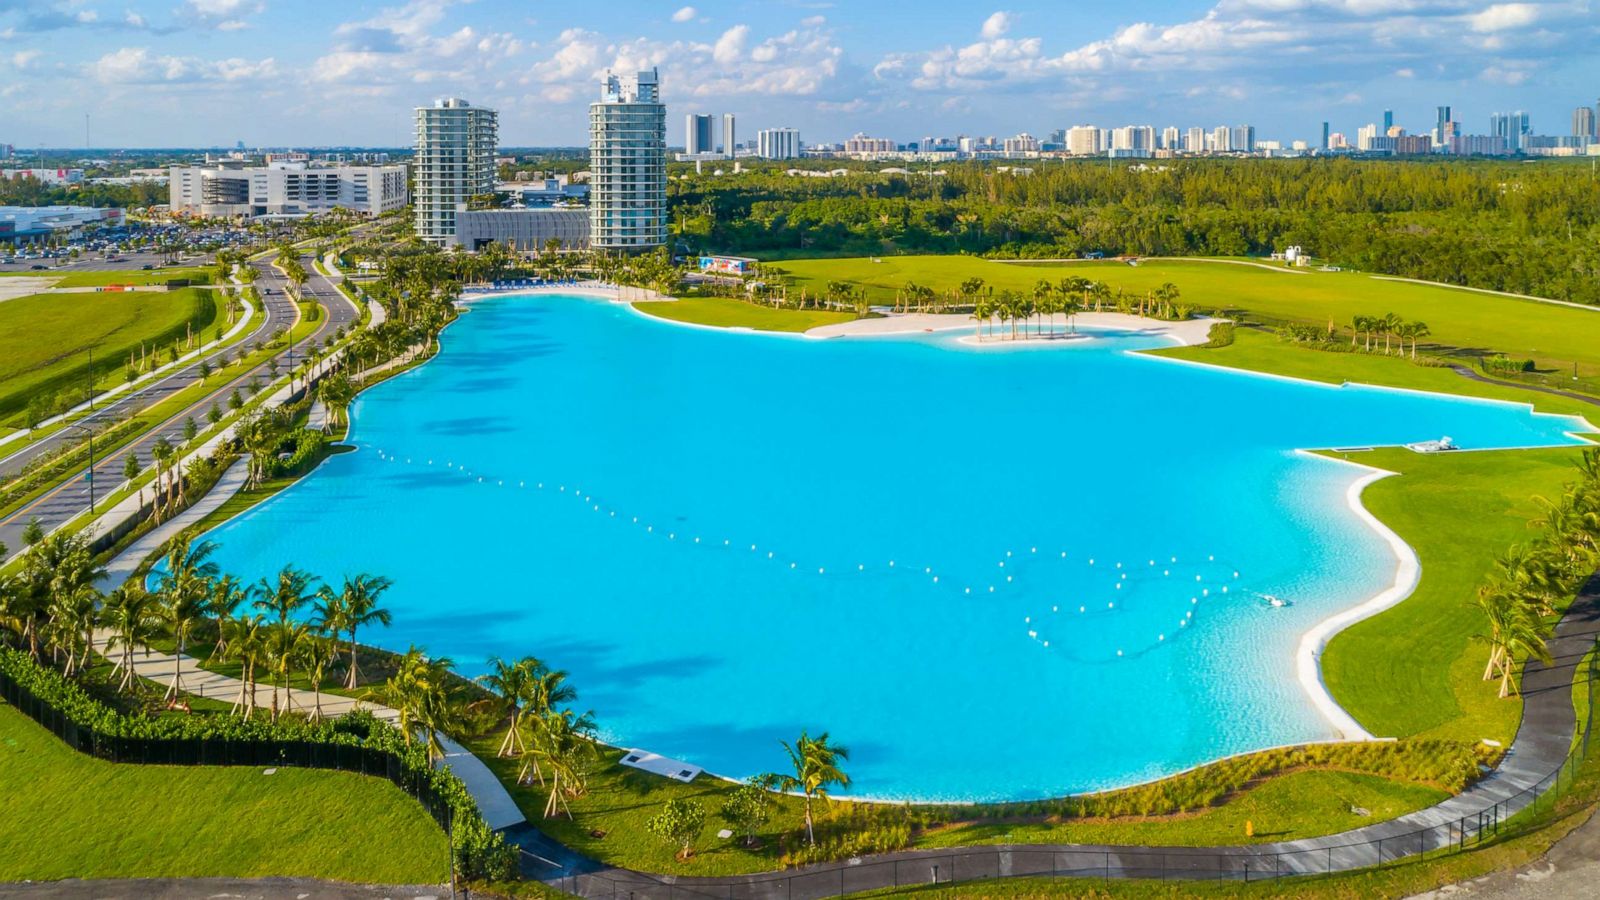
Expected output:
(68, 499)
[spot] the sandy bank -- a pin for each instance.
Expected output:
(1192, 331)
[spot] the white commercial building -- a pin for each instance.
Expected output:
(730, 144)
(778, 143)
(28, 224)
(284, 189)
(456, 144)
(628, 164)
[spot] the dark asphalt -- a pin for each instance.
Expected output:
(72, 497)
(218, 889)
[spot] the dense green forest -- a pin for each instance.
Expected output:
(1527, 227)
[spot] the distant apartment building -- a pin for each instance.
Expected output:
(1171, 138)
(1194, 140)
(730, 140)
(456, 144)
(778, 143)
(49, 177)
(1022, 145)
(1583, 122)
(1221, 140)
(230, 190)
(628, 164)
(699, 134)
(1083, 140)
(1512, 127)
(860, 143)
(1244, 138)
(1479, 145)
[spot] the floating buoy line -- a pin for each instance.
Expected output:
(1118, 585)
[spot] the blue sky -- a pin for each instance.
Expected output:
(294, 72)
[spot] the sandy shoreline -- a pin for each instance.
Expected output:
(1407, 573)
(1187, 333)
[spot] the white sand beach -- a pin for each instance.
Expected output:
(1192, 331)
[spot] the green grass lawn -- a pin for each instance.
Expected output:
(1291, 806)
(195, 275)
(71, 816)
(1260, 352)
(620, 801)
(1555, 336)
(1414, 670)
(45, 339)
(725, 313)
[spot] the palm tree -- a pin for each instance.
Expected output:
(816, 768)
(420, 692)
(336, 391)
(1417, 330)
(284, 596)
(133, 617)
(983, 311)
(227, 595)
(283, 650)
(1388, 323)
(314, 652)
(564, 743)
(513, 682)
(1514, 631)
(355, 605)
(246, 640)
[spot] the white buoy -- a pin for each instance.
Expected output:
(968, 590)
(791, 565)
(1027, 618)
(1211, 559)
(928, 570)
(1091, 561)
(1033, 550)
(1119, 565)
(1055, 609)
(1119, 652)
(1197, 578)
(1111, 605)
(1047, 643)
(1119, 585)
(522, 484)
(820, 572)
(861, 568)
(1002, 564)
(1206, 592)
(1063, 554)
(1161, 637)
(1174, 559)
(650, 528)
(672, 536)
(1166, 573)
(1194, 599)
(1032, 633)
(1224, 589)
(1081, 609)
(991, 588)
(935, 579)
(1008, 554)
(480, 479)
(769, 553)
(1008, 579)
(697, 540)
(891, 563)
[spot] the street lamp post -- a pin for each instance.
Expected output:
(90, 474)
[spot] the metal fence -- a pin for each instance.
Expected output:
(226, 752)
(1242, 864)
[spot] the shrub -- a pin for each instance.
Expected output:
(1220, 335)
(1505, 365)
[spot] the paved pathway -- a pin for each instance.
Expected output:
(1468, 373)
(494, 802)
(1548, 723)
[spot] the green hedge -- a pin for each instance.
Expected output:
(479, 851)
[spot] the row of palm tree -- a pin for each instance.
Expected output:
(1520, 600)
(555, 743)
(281, 626)
(1366, 330)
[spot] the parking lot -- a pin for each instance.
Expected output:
(133, 246)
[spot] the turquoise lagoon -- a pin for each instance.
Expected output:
(726, 538)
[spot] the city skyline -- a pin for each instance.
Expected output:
(209, 72)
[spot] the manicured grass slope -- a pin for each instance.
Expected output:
(620, 801)
(120, 276)
(1415, 669)
(70, 816)
(1260, 352)
(727, 313)
(45, 339)
(1555, 336)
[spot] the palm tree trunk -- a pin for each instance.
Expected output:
(811, 837)
(350, 676)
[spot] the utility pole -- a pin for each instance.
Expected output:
(91, 380)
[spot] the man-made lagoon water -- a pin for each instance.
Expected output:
(991, 573)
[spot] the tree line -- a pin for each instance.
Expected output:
(1525, 228)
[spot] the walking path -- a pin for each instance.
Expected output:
(494, 802)
(1467, 373)
(1543, 739)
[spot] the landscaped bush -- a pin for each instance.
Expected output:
(1220, 335)
(479, 852)
(1505, 365)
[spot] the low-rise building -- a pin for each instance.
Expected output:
(524, 230)
(25, 224)
(51, 177)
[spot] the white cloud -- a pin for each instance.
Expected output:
(1504, 17)
(996, 25)
(137, 65)
(730, 46)
(686, 14)
(223, 15)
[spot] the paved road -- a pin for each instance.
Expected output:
(215, 888)
(72, 497)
